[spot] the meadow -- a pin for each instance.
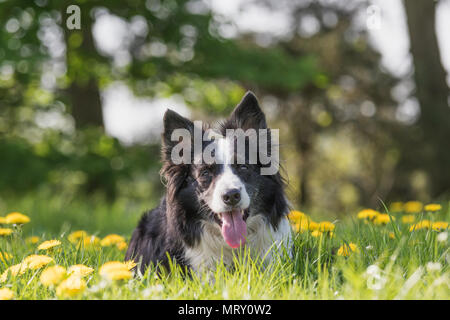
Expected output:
(53, 247)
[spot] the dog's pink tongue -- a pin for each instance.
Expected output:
(234, 228)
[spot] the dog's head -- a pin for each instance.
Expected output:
(230, 188)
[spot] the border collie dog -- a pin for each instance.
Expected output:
(211, 211)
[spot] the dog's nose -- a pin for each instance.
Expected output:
(232, 197)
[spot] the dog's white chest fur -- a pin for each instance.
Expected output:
(260, 238)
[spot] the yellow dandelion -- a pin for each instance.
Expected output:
(382, 219)
(424, 224)
(391, 235)
(122, 246)
(130, 264)
(112, 265)
(115, 270)
(32, 239)
(118, 274)
(369, 214)
(80, 270)
(49, 244)
(326, 226)
(408, 218)
(111, 239)
(5, 231)
(312, 226)
(6, 294)
(5, 256)
(396, 206)
(316, 233)
(36, 261)
(16, 218)
(302, 225)
(15, 270)
(433, 207)
(2, 220)
(345, 249)
(413, 206)
(91, 241)
(296, 215)
(76, 236)
(52, 275)
(71, 287)
(439, 225)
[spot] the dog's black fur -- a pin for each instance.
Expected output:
(176, 223)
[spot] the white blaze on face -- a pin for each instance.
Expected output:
(234, 228)
(227, 180)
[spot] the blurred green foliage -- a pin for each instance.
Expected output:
(343, 145)
(88, 162)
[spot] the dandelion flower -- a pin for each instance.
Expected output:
(391, 235)
(413, 206)
(312, 226)
(316, 233)
(16, 218)
(2, 220)
(71, 287)
(326, 226)
(296, 215)
(345, 250)
(5, 231)
(76, 236)
(111, 239)
(15, 270)
(409, 218)
(382, 219)
(424, 224)
(118, 274)
(5, 256)
(115, 270)
(6, 294)
(302, 225)
(91, 241)
(52, 275)
(433, 207)
(439, 225)
(80, 270)
(130, 264)
(369, 214)
(32, 239)
(36, 261)
(49, 244)
(112, 265)
(122, 246)
(396, 206)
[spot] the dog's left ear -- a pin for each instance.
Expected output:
(248, 114)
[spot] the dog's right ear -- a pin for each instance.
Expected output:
(173, 121)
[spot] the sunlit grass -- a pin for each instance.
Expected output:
(387, 261)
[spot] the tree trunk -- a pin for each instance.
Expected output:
(431, 91)
(302, 130)
(83, 92)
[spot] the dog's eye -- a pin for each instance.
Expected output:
(204, 173)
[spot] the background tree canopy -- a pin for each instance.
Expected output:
(321, 83)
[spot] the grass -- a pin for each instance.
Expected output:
(401, 265)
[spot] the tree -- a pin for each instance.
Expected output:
(432, 93)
